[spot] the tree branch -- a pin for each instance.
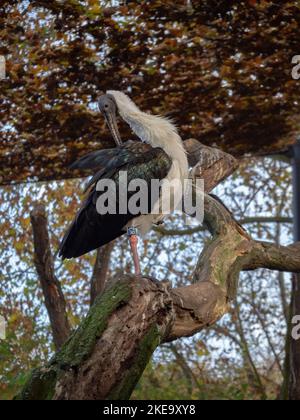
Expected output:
(245, 221)
(100, 271)
(53, 295)
(210, 164)
(274, 257)
(106, 356)
(216, 276)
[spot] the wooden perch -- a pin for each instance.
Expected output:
(106, 356)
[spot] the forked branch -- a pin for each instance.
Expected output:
(106, 356)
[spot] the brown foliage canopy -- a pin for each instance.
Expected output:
(220, 69)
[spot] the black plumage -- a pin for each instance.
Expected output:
(90, 230)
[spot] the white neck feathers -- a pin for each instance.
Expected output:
(152, 129)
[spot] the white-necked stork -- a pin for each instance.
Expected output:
(160, 155)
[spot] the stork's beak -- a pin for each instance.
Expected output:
(111, 121)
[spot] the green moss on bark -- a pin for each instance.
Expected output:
(42, 382)
(40, 386)
(124, 389)
(80, 345)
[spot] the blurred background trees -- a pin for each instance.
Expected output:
(222, 71)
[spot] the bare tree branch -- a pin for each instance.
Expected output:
(186, 370)
(100, 271)
(245, 221)
(274, 257)
(53, 295)
(253, 375)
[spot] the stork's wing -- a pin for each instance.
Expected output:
(112, 158)
(90, 230)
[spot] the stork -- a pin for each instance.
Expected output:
(159, 155)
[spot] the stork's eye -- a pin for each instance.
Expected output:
(106, 106)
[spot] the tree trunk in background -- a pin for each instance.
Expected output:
(294, 380)
(253, 375)
(284, 392)
(53, 295)
(294, 364)
(100, 271)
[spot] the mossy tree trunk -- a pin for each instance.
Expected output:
(106, 356)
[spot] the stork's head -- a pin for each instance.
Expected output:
(108, 107)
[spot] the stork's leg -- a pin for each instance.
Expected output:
(134, 240)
